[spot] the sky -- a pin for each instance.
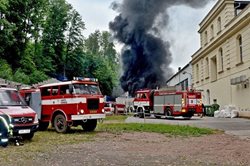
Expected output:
(182, 31)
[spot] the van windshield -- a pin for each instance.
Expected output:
(11, 98)
(86, 89)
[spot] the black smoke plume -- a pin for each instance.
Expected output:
(145, 55)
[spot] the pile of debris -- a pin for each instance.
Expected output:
(228, 111)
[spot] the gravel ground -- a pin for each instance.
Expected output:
(147, 149)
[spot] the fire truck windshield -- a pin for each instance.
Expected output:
(11, 98)
(86, 89)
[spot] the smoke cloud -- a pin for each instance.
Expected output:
(145, 56)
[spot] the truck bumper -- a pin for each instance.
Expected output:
(88, 116)
(20, 130)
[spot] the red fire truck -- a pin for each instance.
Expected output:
(167, 102)
(66, 104)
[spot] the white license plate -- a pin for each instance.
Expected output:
(25, 131)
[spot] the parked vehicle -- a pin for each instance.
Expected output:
(66, 104)
(109, 107)
(167, 102)
(14, 111)
(123, 105)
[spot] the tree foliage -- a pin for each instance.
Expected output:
(101, 60)
(43, 38)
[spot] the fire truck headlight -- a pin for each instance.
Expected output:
(0, 134)
(36, 119)
(82, 111)
(103, 111)
(183, 110)
(101, 100)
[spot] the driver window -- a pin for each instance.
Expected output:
(143, 96)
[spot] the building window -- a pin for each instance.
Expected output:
(205, 37)
(219, 24)
(239, 49)
(202, 69)
(212, 31)
(197, 73)
(221, 59)
(213, 69)
(207, 68)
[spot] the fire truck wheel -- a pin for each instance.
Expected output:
(28, 136)
(60, 124)
(158, 116)
(4, 144)
(188, 116)
(43, 126)
(167, 112)
(90, 125)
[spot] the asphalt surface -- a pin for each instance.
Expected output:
(234, 126)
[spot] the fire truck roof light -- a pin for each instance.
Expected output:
(85, 79)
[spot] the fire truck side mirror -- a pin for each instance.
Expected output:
(71, 89)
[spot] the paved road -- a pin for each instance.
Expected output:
(233, 126)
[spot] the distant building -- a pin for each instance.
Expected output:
(183, 78)
(221, 67)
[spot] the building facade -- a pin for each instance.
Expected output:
(221, 67)
(182, 78)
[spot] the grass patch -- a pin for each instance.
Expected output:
(46, 142)
(43, 142)
(174, 130)
(120, 118)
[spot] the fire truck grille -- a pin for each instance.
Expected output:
(22, 120)
(93, 104)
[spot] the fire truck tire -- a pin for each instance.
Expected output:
(158, 116)
(90, 125)
(60, 124)
(4, 144)
(188, 116)
(28, 136)
(167, 112)
(43, 126)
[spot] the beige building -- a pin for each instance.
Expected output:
(221, 67)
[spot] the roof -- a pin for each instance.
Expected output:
(143, 90)
(68, 82)
(178, 72)
(8, 89)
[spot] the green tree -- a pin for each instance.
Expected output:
(6, 29)
(17, 16)
(92, 43)
(100, 60)
(53, 39)
(74, 46)
(5, 70)
(20, 76)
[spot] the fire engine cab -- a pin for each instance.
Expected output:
(66, 104)
(168, 102)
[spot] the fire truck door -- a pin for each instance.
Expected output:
(177, 102)
(35, 103)
(158, 104)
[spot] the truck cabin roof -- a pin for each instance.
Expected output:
(69, 83)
